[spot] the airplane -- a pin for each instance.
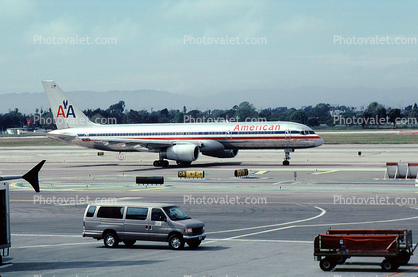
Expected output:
(31, 176)
(181, 142)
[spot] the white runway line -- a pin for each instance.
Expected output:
(273, 225)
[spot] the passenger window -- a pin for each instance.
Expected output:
(158, 215)
(91, 211)
(136, 213)
(111, 212)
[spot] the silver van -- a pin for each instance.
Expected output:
(129, 222)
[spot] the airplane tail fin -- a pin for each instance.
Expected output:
(66, 113)
(32, 176)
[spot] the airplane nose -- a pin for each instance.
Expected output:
(319, 142)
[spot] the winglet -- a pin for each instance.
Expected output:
(32, 176)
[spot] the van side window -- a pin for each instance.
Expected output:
(158, 215)
(91, 211)
(136, 213)
(111, 212)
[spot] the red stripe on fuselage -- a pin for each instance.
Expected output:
(219, 138)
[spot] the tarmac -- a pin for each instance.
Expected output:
(262, 224)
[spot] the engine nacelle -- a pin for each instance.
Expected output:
(226, 153)
(181, 152)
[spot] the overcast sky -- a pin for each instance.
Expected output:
(178, 46)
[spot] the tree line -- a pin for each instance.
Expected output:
(321, 114)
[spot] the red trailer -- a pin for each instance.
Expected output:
(335, 247)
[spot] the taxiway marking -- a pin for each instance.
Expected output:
(324, 172)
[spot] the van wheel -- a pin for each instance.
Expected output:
(110, 240)
(176, 242)
(194, 244)
(129, 243)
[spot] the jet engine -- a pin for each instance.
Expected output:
(226, 153)
(181, 152)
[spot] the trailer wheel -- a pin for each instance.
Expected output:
(327, 264)
(403, 257)
(341, 260)
(389, 265)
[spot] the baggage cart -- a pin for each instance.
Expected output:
(338, 245)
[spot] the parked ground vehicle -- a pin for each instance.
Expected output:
(335, 247)
(5, 239)
(129, 222)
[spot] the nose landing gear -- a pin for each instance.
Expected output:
(287, 152)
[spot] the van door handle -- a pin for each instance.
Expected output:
(148, 227)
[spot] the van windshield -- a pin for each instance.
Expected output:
(176, 213)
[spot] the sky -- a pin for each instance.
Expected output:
(202, 48)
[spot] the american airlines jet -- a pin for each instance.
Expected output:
(181, 142)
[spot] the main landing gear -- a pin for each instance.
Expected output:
(287, 152)
(161, 163)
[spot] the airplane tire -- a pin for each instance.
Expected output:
(286, 162)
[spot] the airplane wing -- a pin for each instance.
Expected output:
(150, 144)
(136, 144)
(66, 137)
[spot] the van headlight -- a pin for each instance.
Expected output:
(188, 230)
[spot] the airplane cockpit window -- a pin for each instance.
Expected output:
(306, 132)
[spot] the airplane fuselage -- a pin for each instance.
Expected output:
(237, 135)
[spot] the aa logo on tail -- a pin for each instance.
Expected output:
(65, 111)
